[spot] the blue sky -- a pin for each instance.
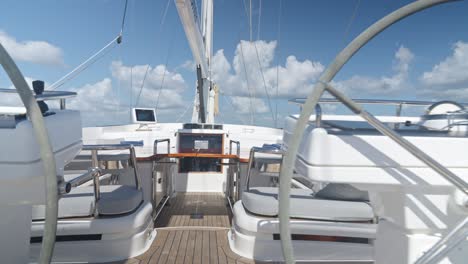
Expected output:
(422, 57)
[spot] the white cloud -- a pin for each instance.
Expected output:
(449, 78)
(96, 97)
(161, 86)
(243, 105)
(372, 85)
(39, 52)
(295, 77)
(188, 65)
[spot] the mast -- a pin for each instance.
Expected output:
(199, 34)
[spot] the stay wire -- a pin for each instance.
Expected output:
(94, 58)
(164, 73)
(277, 66)
(264, 83)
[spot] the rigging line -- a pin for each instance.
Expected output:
(164, 72)
(163, 18)
(142, 85)
(233, 108)
(244, 66)
(259, 18)
(185, 111)
(277, 66)
(247, 17)
(86, 64)
(131, 87)
(248, 85)
(161, 23)
(250, 19)
(123, 18)
(351, 20)
(264, 83)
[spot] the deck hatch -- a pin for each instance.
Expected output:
(196, 216)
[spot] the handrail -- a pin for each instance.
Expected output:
(237, 148)
(301, 101)
(107, 147)
(398, 103)
(287, 167)
(266, 149)
(157, 141)
(48, 95)
(95, 165)
(230, 176)
(85, 177)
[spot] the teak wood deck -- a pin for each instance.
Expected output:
(182, 238)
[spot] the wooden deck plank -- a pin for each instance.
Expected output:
(206, 247)
(160, 239)
(167, 248)
(182, 251)
(190, 247)
(181, 239)
(175, 247)
(213, 248)
(197, 256)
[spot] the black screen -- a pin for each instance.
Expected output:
(145, 115)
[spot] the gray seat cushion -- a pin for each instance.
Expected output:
(115, 200)
(264, 201)
(343, 192)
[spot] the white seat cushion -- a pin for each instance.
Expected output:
(264, 201)
(115, 200)
(249, 223)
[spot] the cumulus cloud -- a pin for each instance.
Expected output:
(449, 78)
(40, 52)
(160, 86)
(95, 97)
(188, 65)
(243, 105)
(385, 84)
(112, 97)
(243, 77)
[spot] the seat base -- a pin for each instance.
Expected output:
(263, 201)
(95, 240)
(80, 202)
(256, 237)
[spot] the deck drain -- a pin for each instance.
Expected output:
(196, 216)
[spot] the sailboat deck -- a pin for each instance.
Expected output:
(182, 238)
(183, 210)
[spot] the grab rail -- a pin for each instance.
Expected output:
(95, 167)
(48, 95)
(237, 148)
(301, 101)
(165, 163)
(266, 149)
(157, 141)
(89, 175)
(398, 103)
